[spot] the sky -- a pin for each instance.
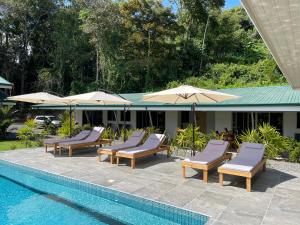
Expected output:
(228, 3)
(231, 3)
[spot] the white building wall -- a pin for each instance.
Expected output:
(222, 120)
(104, 117)
(78, 116)
(171, 122)
(290, 124)
(215, 121)
(133, 119)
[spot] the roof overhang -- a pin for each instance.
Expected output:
(278, 22)
(204, 108)
(6, 86)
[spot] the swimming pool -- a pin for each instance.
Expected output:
(29, 196)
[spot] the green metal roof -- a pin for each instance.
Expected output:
(251, 96)
(263, 96)
(4, 82)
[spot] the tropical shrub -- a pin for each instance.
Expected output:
(26, 134)
(5, 119)
(184, 138)
(276, 145)
(86, 126)
(50, 128)
(64, 130)
(293, 152)
(108, 133)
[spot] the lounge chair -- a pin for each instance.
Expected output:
(54, 142)
(94, 138)
(135, 139)
(152, 145)
(212, 156)
(247, 163)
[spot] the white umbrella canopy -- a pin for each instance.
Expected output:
(96, 97)
(187, 94)
(37, 98)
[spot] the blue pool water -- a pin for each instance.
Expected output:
(32, 197)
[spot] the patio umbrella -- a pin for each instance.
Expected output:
(36, 98)
(98, 98)
(188, 94)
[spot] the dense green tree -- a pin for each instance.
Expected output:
(150, 45)
(76, 46)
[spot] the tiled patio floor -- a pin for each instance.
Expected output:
(275, 198)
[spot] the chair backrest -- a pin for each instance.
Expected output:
(136, 137)
(95, 134)
(218, 147)
(251, 151)
(83, 134)
(154, 141)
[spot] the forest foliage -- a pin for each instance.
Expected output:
(130, 46)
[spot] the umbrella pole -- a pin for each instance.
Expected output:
(193, 138)
(70, 115)
(124, 124)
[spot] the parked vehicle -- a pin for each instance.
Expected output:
(43, 120)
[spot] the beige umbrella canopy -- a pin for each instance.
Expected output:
(99, 98)
(189, 95)
(96, 97)
(37, 98)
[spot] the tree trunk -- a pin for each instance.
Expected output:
(203, 44)
(97, 64)
(148, 80)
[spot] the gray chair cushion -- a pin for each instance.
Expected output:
(92, 137)
(152, 142)
(133, 141)
(83, 134)
(213, 151)
(249, 157)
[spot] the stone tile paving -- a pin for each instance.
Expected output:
(275, 198)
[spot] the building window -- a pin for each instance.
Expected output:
(111, 116)
(92, 117)
(158, 119)
(127, 116)
(298, 119)
(242, 121)
(184, 119)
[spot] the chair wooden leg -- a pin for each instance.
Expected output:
(132, 163)
(221, 178)
(111, 159)
(248, 184)
(205, 176)
(118, 160)
(70, 151)
(183, 171)
(55, 147)
(46, 149)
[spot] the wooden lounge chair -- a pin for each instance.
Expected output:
(152, 145)
(135, 139)
(94, 138)
(247, 163)
(212, 156)
(54, 142)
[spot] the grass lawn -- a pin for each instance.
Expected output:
(10, 145)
